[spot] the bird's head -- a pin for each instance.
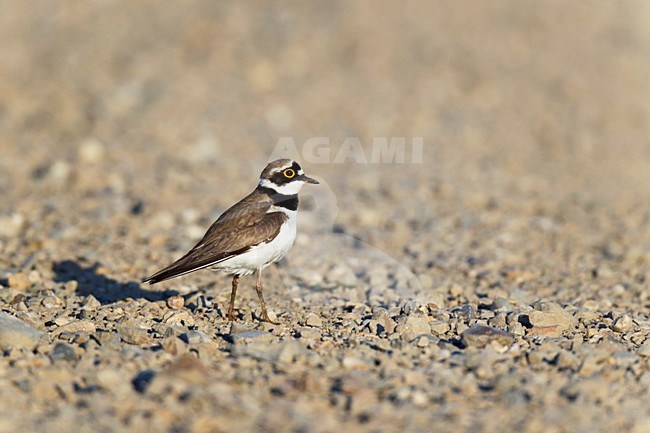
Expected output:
(284, 176)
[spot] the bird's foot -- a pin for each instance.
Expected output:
(266, 318)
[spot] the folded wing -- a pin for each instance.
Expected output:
(239, 229)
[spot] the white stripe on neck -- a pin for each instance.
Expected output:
(290, 188)
(288, 212)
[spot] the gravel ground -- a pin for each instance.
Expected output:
(502, 284)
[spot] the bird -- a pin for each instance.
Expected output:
(254, 233)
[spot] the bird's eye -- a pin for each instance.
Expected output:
(289, 173)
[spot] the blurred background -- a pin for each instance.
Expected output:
(127, 127)
(172, 110)
(512, 99)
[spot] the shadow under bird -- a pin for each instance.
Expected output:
(257, 231)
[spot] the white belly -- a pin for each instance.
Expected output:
(264, 254)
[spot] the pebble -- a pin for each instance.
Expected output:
(560, 319)
(91, 303)
(622, 324)
(19, 281)
(644, 349)
(115, 381)
(480, 336)
(354, 363)
(196, 337)
(287, 351)
(415, 326)
(91, 151)
(501, 304)
(14, 333)
(440, 327)
(175, 302)
(76, 326)
(253, 336)
(553, 331)
(308, 333)
(64, 352)
(179, 318)
(60, 172)
(382, 318)
(313, 320)
(422, 341)
(109, 339)
(12, 225)
(133, 334)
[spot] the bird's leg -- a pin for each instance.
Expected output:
(258, 289)
(233, 293)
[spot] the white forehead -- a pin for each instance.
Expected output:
(285, 166)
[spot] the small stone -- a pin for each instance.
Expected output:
(461, 327)
(480, 336)
(71, 286)
(133, 334)
(19, 281)
(60, 172)
(171, 344)
(8, 295)
(179, 318)
(382, 318)
(618, 290)
(568, 360)
(271, 314)
(498, 321)
(455, 291)
(76, 327)
(253, 336)
(313, 320)
(236, 328)
(622, 324)
(501, 304)
(14, 333)
(467, 312)
(564, 321)
(91, 151)
(34, 277)
(51, 302)
(175, 302)
(419, 398)
(91, 303)
(415, 326)
(354, 363)
(422, 341)
(440, 327)
(517, 329)
(288, 351)
(196, 337)
(644, 349)
(308, 333)
(64, 352)
(108, 339)
(12, 225)
(114, 380)
(291, 351)
(554, 331)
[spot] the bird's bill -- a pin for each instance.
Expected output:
(308, 179)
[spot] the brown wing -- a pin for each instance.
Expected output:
(244, 225)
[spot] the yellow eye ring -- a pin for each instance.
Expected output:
(289, 173)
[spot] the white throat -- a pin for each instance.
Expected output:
(290, 188)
